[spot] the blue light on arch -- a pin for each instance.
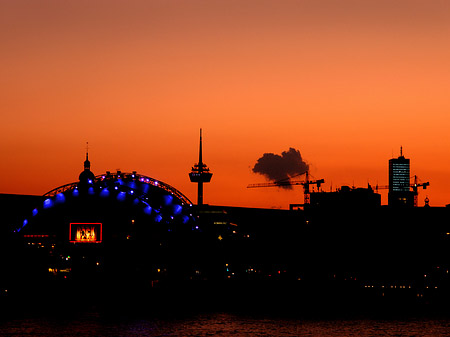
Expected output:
(91, 191)
(167, 199)
(177, 209)
(104, 193)
(121, 196)
(48, 203)
(184, 219)
(75, 193)
(25, 222)
(158, 218)
(60, 198)
(145, 188)
(147, 210)
(35, 212)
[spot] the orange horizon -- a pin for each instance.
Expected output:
(345, 82)
(270, 197)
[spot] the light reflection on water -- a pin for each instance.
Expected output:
(218, 324)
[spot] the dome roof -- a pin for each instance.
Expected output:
(86, 175)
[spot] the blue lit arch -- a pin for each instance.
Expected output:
(156, 199)
(120, 176)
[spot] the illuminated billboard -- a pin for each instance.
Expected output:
(85, 232)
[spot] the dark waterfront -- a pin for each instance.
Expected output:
(217, 314)
(94, 323)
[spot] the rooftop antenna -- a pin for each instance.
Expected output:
(200, 152)
(401, 151)
(87, 163)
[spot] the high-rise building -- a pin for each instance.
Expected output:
(399, 182)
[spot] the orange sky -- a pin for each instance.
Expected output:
(345, 82)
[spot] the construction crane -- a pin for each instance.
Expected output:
(287, 182)
(415, 188)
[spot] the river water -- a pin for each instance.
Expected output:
(94, 323)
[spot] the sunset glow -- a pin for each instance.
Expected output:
(344, 82)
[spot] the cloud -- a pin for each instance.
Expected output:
(275, 167)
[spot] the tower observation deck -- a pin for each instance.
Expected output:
(200, 174)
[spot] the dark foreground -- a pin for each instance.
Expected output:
(299, 299)
(94, 323)
(226, 311)
(220, 309)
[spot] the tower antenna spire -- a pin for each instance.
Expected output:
(200, 155)
(200, 173)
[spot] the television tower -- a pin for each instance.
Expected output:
(200, 174)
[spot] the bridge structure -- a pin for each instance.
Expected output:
(135, 182)
(111, 227)
(153, 197)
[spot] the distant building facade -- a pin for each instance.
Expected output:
(346, 197)
(399, 182)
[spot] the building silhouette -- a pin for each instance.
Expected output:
(399, 185)
(200, 174)
(126, 234)
(86, 176)
(346, 198)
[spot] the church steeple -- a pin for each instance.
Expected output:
(87, 163)
(87, 177)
